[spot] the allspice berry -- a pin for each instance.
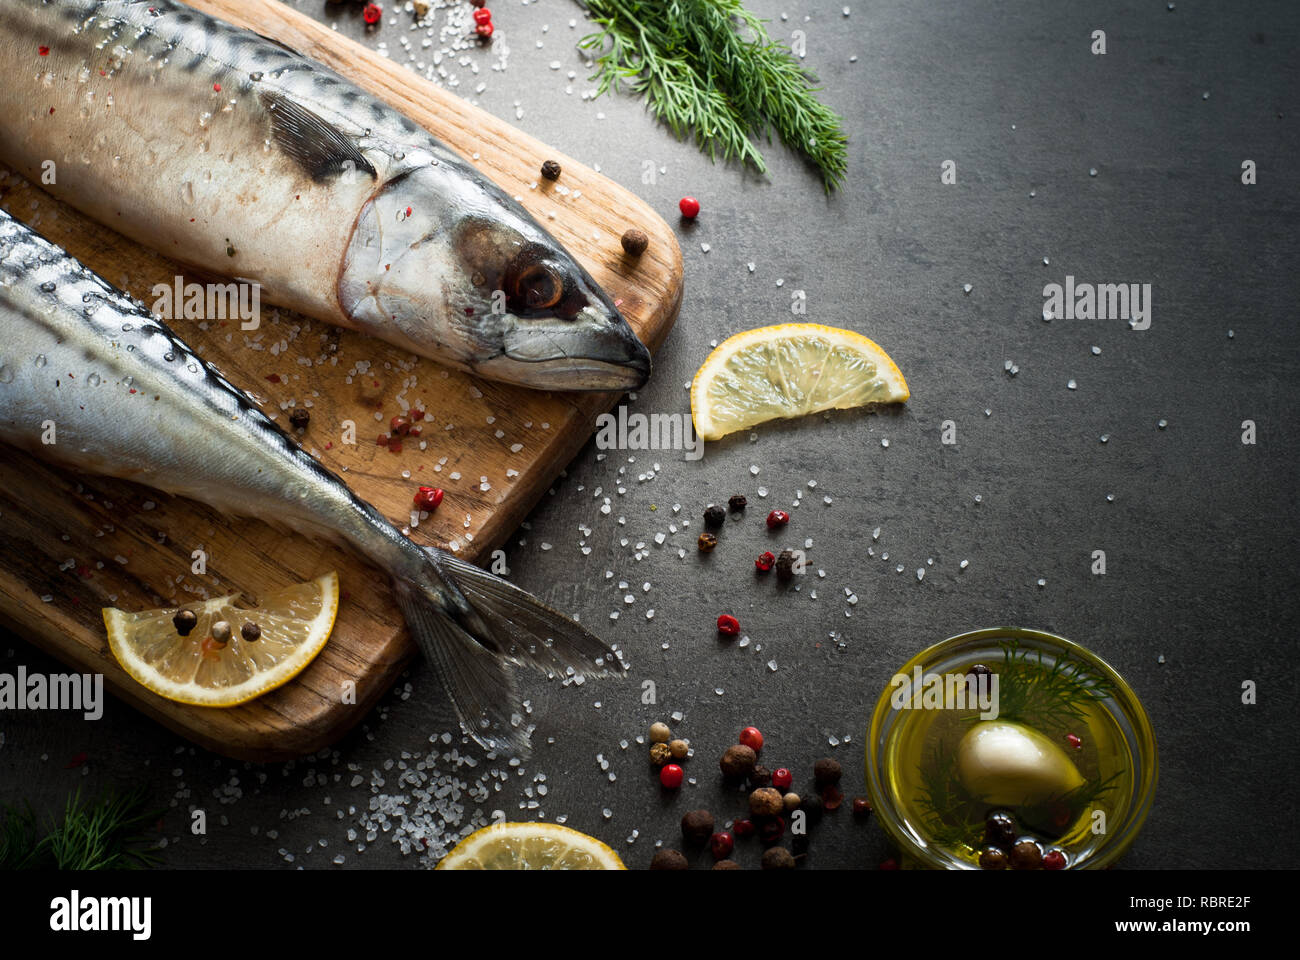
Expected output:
(737, 762)
(659, 733)
(697, 827)
(635, 242)
(185, 621)
(669, 860)
(726, 865)
(766, 802)
(551, 170)
(778, 858)
(679, 749)
(660, 754)
(993, 858)
(827, 772)
(1026, 855)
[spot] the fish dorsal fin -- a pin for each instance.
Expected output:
(314, 144)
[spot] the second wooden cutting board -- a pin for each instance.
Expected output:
(70, 545)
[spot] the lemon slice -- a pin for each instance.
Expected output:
(530, 846)
(789, 370)
(295, 624)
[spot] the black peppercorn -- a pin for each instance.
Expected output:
(185, 621)
(299, 418)
(551, 170)
(785, 565)
(1000, 829)
(799, 844)
(737, 504)
(714, 516)
(737, 762)
(826, 772)
(778, 858)
(669, 860)
(706, 542)
(250, 631)
(635, 242)
(760, 776)
(992, 858)
(812, 809)
(697, 826)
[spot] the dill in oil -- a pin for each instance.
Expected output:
(1053, 694)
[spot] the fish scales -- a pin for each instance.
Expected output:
(230, 152)
(90, 379)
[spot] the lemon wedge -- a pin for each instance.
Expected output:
(530, 846)
(194, 669)
(790, 370)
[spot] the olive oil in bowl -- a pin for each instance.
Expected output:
(1010, 747)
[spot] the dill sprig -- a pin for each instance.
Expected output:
(1054, 696)
(709, 71)
(103, 834)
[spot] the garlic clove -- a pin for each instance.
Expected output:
(1009, 764)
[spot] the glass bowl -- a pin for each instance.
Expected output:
(1136, 739)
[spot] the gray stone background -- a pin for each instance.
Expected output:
(1199, 535)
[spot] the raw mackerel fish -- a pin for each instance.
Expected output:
(232, 153)
(129, 399)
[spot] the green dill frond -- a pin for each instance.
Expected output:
(1052, 697)
(709, 71)
(104, 834)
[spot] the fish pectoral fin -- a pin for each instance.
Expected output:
(315, 144)
(529, 632)
(478, 682)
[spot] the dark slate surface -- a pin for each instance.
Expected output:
(1199, 536)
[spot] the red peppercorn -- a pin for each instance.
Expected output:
(728, 625)
(777, 518)
(383, 440)
(832, 797)
(1053, 860)
(743, 828)
(861, 807)
(890, 864)
(782, 778)
(428, 498)
(752, 737)
(721, 845)
(765, 561)
(395, 445)
(671, 776)
(772, 830)
(1073, 741)
(690, 207)
(400, 426)
(483, 15)
(371, 13)
(484, 30)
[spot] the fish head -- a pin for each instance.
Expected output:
(465, 275)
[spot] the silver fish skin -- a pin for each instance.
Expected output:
(129, 399)
(230, 152)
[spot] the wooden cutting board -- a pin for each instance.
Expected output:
(70, 545)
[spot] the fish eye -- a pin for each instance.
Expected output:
(539, 287)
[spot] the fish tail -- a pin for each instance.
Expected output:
(489, 628)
